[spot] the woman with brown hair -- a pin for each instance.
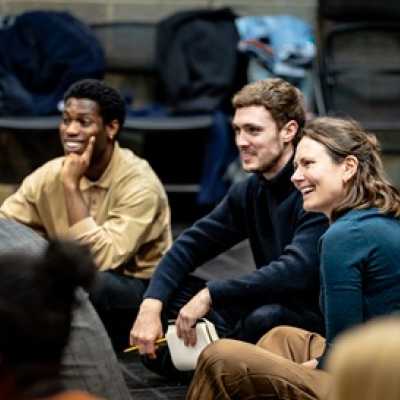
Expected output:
(339, 172)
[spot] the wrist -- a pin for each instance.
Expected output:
(70, 186)
(153, 306)
(206, 296)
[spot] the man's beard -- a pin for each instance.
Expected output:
(267, 166)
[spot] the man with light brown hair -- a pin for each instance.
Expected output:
(264, 208)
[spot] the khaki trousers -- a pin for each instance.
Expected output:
(230, 369)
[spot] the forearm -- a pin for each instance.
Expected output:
(293, 275)
(110, 243)
(21, 205)
(151, 306)
(192, 249)
(271, 283)
(221, 229)
(124, 232)
(77, 209)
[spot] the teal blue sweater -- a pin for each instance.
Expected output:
(360, 269)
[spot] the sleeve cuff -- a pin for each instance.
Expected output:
(216, 289)
(320, 364)
(83, 226)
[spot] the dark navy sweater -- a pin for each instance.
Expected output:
(360, 270)
(283, 239)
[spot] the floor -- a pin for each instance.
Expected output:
(145, 385)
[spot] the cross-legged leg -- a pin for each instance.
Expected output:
(292, 343)
(230, 369)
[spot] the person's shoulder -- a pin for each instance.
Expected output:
(354, 224)
(128, 157)
(54, 163)
(364, 218)
(48, 172)
(136, 170)
(376, 225)
(251, 182)
(240, 193)
(130, 164)
(354, 235)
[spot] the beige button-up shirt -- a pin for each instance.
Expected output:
(129, 225)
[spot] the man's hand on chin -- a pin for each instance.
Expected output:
(75, 165)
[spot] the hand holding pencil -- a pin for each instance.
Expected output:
(135, 348)
(147, 329)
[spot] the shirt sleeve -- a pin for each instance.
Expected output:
(21, 205)
(211, 235)
(295, 271)
(125, 230)
(343, 255)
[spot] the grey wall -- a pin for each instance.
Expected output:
(119, 10)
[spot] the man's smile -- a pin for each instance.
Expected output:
(74, 146)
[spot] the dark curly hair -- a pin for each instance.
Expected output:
(111, 104)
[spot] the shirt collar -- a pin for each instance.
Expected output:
(280, 183)
(105, 180)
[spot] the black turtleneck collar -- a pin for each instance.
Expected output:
(280, 183)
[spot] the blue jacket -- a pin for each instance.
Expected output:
(41, 54)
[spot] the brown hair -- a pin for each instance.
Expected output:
(284, 101)
(369, 187)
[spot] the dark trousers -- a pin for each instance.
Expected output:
(117, 299)
(243, 322)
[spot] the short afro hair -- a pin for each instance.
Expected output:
(111, 104)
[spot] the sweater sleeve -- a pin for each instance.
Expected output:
(125, 229)
(343, 255)
(294, 271)
(208, 237)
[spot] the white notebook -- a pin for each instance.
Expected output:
(185, 357)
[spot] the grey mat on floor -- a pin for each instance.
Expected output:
(145, 385)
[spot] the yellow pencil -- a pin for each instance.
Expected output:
(134, 348)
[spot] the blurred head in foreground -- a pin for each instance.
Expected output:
(37, 296)
(365, 362)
